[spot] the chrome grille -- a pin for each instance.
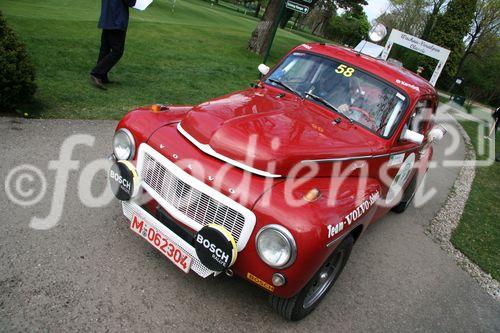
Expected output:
(191, 202)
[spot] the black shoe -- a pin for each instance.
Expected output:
(108, 81)
(97, 82)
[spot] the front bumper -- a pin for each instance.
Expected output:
(130, 208)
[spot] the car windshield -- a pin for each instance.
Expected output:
(342, 88)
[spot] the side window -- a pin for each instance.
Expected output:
(421, 118)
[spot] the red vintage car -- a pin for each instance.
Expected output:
(276, 183)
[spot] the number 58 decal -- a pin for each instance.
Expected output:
(346, 71)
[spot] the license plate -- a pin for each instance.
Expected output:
(162, 243)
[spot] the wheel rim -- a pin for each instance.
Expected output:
(324, 279)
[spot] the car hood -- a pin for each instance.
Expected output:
(268, 130)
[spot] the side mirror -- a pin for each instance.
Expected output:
(263, 69)
(436, 134)
(412, 136)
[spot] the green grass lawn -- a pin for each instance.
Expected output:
(478, 233)
(187, 56)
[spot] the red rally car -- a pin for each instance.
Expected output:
(277, 182)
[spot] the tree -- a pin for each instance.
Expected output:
(263, 33)
(349, 28)
(437, 6)
(485, 26)
(481, 75)
(328, 9)
(450, 31)
(406, 15)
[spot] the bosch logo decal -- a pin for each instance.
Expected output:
(124, 180)
(119, 179)
(215, 247)
(217, 254)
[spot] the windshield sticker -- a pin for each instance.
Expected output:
(344, 70)
(401, 97)
(409, 85)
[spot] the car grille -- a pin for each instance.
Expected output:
(191, 202)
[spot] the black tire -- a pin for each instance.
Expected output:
(407, 197)
(312, 294)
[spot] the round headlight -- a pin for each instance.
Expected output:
(276, 246)
(124, 144)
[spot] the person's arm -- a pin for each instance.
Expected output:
(130, 3)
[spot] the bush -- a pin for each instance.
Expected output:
(17, 74)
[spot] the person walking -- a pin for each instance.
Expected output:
(494, 129)
(114, 23)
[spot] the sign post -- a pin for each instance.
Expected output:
(303, 9)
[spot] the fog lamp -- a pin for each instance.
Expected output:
(279, 279)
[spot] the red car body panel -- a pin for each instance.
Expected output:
(304, 132)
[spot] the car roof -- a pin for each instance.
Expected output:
(414, 85)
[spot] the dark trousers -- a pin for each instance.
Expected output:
(112, 48)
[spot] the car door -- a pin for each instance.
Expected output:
(406, 156)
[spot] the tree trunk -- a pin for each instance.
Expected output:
(468, 50)
(286, 17)
(261, 36)
(296, 22)
(316, 27)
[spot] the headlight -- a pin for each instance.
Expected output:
(124, 144)
(276, 246)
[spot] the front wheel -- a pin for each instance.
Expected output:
(310, 296)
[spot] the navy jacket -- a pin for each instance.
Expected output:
(114, 14)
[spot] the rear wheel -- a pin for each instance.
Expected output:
(310, 296)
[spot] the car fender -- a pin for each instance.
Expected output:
(143, 122)
(310, 224)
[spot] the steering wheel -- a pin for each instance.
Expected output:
(368, 117)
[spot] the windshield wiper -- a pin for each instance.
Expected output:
(328, 104)
(286, 86)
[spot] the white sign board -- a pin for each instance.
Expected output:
(420, 46)
(373, 50)
(142, 4)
